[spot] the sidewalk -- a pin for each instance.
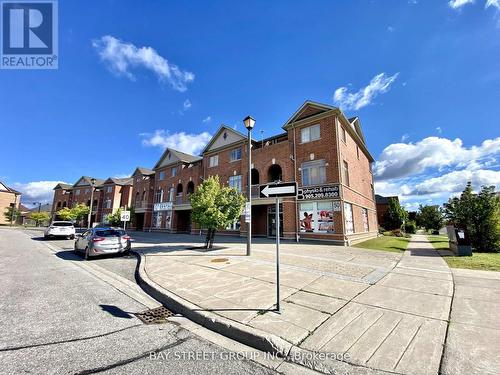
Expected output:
(388, 312)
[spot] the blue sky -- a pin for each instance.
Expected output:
(135, 77)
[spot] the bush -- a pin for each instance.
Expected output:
(411, 227)
(381, 230)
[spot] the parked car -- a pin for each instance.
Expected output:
(60, 229)
(100, 241)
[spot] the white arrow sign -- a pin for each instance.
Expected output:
(278, 190)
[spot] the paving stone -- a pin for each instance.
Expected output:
(271, 322)
(477, 293)
(337, 288)
(423, 273)
(318, 302)
(476, 312)
(418, 284)
(406, 301)
(228, 309)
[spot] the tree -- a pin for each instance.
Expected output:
(76, 213)
(395, 215)
(11, 214)
(215, 206)
(478, 215)
(430, 217)
(66, 214)
(40, 217)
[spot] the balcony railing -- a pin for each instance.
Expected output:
(141, 204)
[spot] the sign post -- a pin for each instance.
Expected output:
(125, 216)
(279, 189)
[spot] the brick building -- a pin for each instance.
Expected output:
(8, 198)
(63, 197)
(382, 204)
(320, 148)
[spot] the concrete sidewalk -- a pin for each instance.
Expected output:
(388, 312)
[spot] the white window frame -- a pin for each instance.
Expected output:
(310, 133)
(174, 171)
(213, 161)
(348, 218)
(317, 220)
(309, 166)
(235, 154)
(235, 182)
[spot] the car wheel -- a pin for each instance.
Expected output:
(72, 237)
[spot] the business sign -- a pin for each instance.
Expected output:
(29, 35)
(125, 216)
(319, 192)
(165, 206)
(284, 189)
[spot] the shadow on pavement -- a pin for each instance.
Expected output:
(116, 311)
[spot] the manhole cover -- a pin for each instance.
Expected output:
(219, 260)
(155, 316)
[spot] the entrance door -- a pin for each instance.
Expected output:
(271, 221)
(139, 221)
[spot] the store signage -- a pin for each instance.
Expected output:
(165, 206)
(319, 192)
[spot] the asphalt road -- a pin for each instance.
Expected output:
(59, 318)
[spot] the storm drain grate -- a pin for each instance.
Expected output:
(155, 316)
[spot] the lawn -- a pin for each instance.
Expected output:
(385, 243)
(478, 261)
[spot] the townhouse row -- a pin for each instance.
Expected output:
(320, 149)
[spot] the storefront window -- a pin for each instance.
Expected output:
(366, 226)
(349, 222)
(316, 217)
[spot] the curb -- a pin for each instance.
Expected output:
(252, 337)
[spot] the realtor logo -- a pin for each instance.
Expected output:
(29, 35)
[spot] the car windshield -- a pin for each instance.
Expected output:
(62, 224)
(109, 233)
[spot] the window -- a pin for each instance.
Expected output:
(174, 171)
(311, 133)
(171, 194)
(349, 223)
(364, 213)
(316, 217)
(213, 161)
(159, 196)
(162, 175)
(313, 172)
(87, 191)
(77, 192)
(107, 203)
(109, 189)
(345, 173)
(234, 226)
(235, 182)
(344, 137)
(236, 154)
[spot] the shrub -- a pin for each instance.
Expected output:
(411, 227)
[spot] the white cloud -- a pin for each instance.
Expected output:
(186, 105)
(457, 4)
(36, 191)
(121, 57)
(439, 130)
(405, 137)
(390, 29)
(404, 159)
(493, 3)
(378, 85)
(207, 119)
(189, 143)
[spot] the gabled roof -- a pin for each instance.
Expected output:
(7, 189)
(224, 130)
(118, 181)
(143, 171)
(86, 180)
(178, 156)
(63, 186)
(308, 109)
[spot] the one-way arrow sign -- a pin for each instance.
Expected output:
(285, 189)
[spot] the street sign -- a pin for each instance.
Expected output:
(125, 216)
(282, 189)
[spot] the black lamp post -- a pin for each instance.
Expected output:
(249, 122)
(92, 184)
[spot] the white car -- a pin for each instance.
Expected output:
(60, 229)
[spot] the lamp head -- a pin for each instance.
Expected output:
(249, 122)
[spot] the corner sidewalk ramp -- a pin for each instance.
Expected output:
(344, 310)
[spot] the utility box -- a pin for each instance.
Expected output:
(464, 247)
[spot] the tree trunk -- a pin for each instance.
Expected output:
(207, 238)
(212, 237)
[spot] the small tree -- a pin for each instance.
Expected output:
(395, 215)
(115, 218)
(479, 215)
(40, 217)
(11, 214)
(430, 217)
(215, 206)
(80, 211)
(66, 214)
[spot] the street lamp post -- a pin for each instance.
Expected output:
(92, 183)
(249, 122)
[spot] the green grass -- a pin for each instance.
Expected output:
(385, 243)
(478, 261)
